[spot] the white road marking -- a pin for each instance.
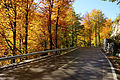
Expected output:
(69, 51)
(68, 63)
(112, 68)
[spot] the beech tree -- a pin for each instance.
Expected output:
(94, 23)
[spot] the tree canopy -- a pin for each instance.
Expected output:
(118, 1)
(28, 26)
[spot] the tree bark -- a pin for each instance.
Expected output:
(57, 27)
(95, 35)
(90, 37)
(99, 36)
(20, 42)
(72, 36)
(14, 34)
(49, 24)
(26, 30)
(76, 36)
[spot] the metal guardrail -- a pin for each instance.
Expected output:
(34, 53)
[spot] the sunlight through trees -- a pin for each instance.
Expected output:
(36, 25)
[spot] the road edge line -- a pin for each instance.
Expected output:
(111, 66)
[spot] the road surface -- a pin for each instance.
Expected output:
(81, 64)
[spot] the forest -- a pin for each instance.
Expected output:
(36, 25)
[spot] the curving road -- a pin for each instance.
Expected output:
(81, 64)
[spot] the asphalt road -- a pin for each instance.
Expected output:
(81, 64)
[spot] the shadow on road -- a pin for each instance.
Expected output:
(82, 64)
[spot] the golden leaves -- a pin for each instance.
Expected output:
(97, 23)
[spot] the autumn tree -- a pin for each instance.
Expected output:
(9, 7)
(61, 7)
(94, 23)
(88, 26)
(98, 19)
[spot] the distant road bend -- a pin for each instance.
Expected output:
(80, 64)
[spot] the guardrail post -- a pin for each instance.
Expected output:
(12, 61)
(54, 56)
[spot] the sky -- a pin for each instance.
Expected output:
(111, 10)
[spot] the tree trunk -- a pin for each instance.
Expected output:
(26, 30)
(99, 36)
(75, 36)
(45, 44)
(20, 42)
(65, 38)
(84, 41)
(95, 36)
(14, 34)
(49, 25)
(90, 37)
(57, 27)
(72, 36)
